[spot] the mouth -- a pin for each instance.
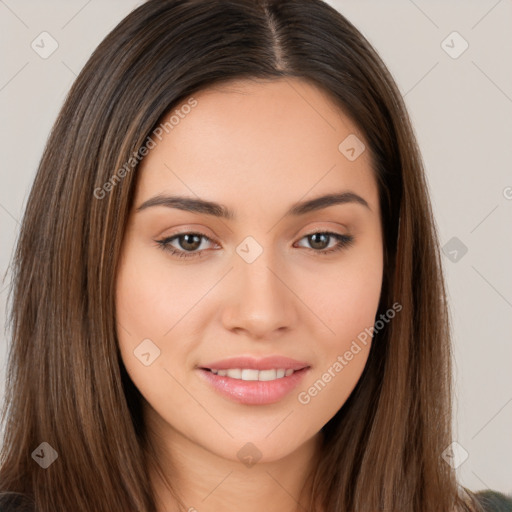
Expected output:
(249, 386)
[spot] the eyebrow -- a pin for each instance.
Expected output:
(195, 205)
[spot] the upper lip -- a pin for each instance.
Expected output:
(264, 363)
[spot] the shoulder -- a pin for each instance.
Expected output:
(493, 501)
(15, 502)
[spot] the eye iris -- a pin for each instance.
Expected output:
(314, 238)
(195, 243)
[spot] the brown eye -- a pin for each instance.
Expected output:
(188, 244)
(319, 241)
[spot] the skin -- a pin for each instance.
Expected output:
(257, 147)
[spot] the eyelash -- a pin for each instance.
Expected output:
(344, 241)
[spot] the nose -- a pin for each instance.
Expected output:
(261, 303)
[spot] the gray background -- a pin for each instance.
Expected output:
(461, 110)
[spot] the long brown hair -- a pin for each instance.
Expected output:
(66, 383)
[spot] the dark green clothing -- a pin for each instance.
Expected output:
(493, 501)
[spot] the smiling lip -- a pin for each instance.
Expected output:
(254, 392)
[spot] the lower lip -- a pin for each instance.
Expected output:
(254, 392)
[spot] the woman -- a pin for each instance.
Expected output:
(253, 367)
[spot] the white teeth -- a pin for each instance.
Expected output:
(267, 375)
(251, 374)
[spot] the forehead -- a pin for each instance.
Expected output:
(270, 139)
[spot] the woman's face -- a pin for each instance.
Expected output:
(258, 284)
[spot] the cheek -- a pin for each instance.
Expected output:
(150, 299)
(342, 354)
(346, 296)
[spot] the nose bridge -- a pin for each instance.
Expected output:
(261, 302)
(259, 281)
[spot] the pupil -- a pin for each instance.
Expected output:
(315, 241)
(194, 244)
